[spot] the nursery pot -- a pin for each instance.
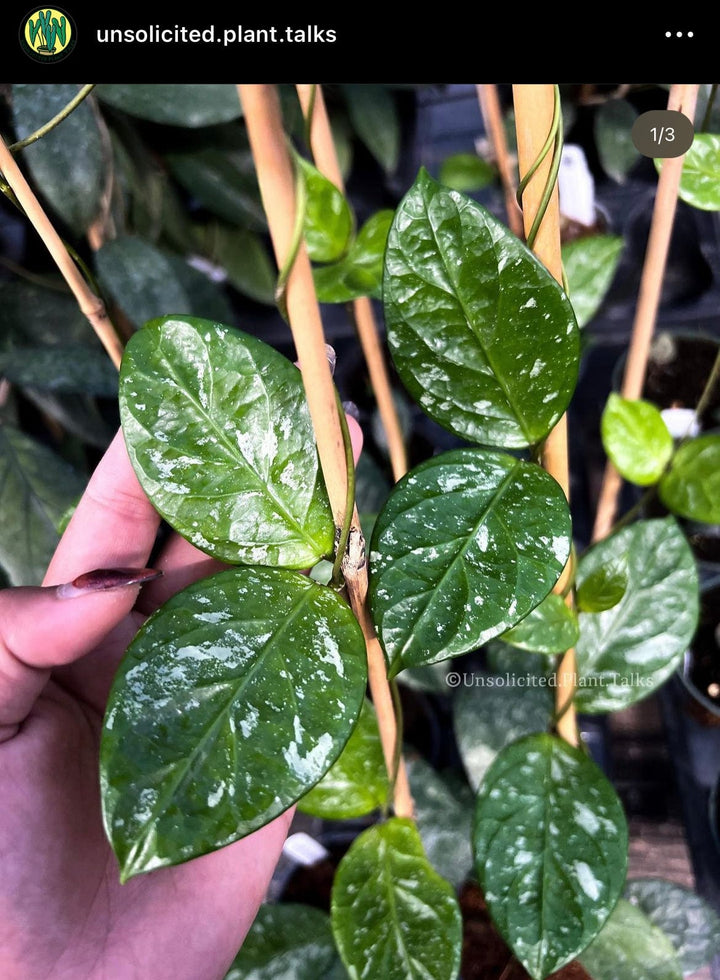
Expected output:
(700, 671)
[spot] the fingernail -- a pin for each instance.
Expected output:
(102, 579)
(352, 410)
(331, 356)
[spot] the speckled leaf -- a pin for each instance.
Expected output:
(691, 487)
(700, 180)
(71, 181)
(288, 942)
(186, 104)
(626, 652)
(466, 172)
(467, 544)
(232, 701)
(374, 116)
(590, 265)
(492, 710)
(219, 434)
(687, 920)
(36, 487)
(358, 783)
(328, 221)
(463, 297)
(550, 850)
(636, 439)
(551, 628)
(613, 127)
(630, 947)
(392, 915)
(603, 588)
(360, 272)
(73, 368)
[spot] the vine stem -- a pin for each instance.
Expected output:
(324, 153)
(682, 98)
(90, 304)
(492, 117)
(273, 165)
(535, 117)
(55, 121)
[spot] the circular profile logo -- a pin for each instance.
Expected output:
(48, 34)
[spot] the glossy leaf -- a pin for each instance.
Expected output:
(219, 434)
(466, 172)
(549, 628)
(392, 915)
(72, 182)
(603, 588)
(360, 272)
(186, 104)
(328, 221)
(490, 711)
(223, 182)
(245, 260)
(467, 544)
(462, 296)
(288, 940)
(628, 651)
(691, 487)
(73, 368)
(684, 917)
(636, 439)
(613, 127)
(630, 947)
(375, 118)
(357, 783)
(550, 850)
(36, 488)
(590, 265)
(699, 183)
(232, 701)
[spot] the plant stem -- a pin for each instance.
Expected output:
(705, 125)
(90, 304)
(323, 150)
(273, 166)
(492, 116)
(682, 98)
(55, 121)
(350, 499)
(536, 119)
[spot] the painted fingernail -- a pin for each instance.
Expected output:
(331, 356)
(352, 410)
(103, 579)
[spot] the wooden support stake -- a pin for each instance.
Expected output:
(492, 117)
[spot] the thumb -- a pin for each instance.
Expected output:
(42, 628)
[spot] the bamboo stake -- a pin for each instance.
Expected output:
(492, 116)
(534, 105)
(91, 305)
(261, 108)
(325, 156)
(683, 98)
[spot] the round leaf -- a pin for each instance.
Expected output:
(73, 368)
(613, 128)
(219, 433)
(700, 180)
(463, 296)
(360, 272)
(590, 265)
(630, 947)
(604, 588)
(466, 545)
(466, 172)
(392, 915)
(221, 181)
(375, 118)
(232, 701)
(550, 850)
(628, 651)
(636, 439)
(186, 104)
(328, 220)
(691, 487)
(549, 628)
(245, 259)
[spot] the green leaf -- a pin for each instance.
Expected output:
(360, 272)
(31, 315)
(700, 180)
(444, 815)
(147, 282)
(490, 711)
(604, 588)
(432, 679)
(628, 651)
(328, 221)
(551, 627)
(68, 164)
(36, 488)
(466, 172)
(223, 182)
(220, 436)
(288, 941)
(245, 259)
(630, 947)
(590, 265)
(636, 439)
(74, 368)
(691, 487)
(550, 850)
(358, 783)
(503, 659)
(467, 544)
(232, 701)
(79, 414)
(392, 915)
(186, 104)
(462, 296)
(613, 128)
(686, 919)
(375, 118)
